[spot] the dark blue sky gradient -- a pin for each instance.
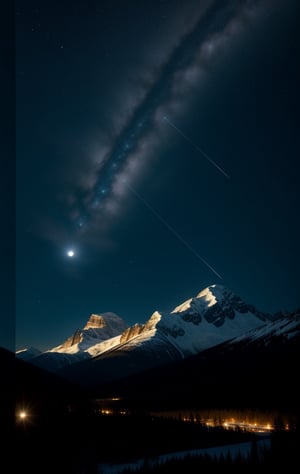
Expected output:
(83, 73)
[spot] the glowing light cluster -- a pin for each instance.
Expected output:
(232, 424)
(22, 415)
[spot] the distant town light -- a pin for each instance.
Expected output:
(22, 415)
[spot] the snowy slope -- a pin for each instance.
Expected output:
(213, 316)
(101, 332)
(94, 337)
(287, 327)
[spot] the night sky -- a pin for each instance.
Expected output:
(159, 142)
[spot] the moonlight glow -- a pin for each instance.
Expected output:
(70, 253)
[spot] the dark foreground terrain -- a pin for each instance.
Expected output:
(60, 427)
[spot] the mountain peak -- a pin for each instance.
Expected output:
(98, 321)
(207, 297)
(219, 314)
(214, 294)
(95, 321)
(216, 290)
(99, 327)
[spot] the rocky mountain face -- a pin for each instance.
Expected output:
(96, 321)
(76, 338)
(83, 343)
(132, 332)
(98, 328)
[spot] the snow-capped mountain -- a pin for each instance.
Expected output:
(213, 316)
(99, 328)
(106, 348)
(101, 332)
(210, 318)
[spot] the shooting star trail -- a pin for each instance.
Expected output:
(165, 118)
(172, 230)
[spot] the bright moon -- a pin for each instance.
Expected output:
(71, 253)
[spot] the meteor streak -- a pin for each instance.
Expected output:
(172, 230)
(165, 118)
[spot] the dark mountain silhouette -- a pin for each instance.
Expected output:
(258, 372)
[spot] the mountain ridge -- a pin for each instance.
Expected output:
(107, 348)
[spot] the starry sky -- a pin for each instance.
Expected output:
(158, 142)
